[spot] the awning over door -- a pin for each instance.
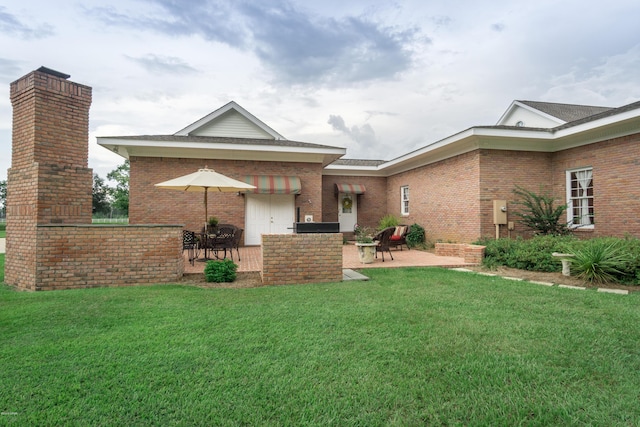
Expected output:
(350, 188)
(274, 184)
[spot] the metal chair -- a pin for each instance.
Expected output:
(191, 245)
(382, 239)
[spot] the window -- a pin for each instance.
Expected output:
(580, 198)
(404, 200)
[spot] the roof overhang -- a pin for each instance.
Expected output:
(503, 138)
(128, 148)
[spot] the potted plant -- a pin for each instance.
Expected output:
(212, 224)
(365, 244)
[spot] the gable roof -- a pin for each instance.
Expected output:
(546, 114)
(230, 120)
(566, 112)
(609, 123)
(230, 132)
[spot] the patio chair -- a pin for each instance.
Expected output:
(237, 238)
(399, 236)
(191, 245)
(223, 240)
(382, 239)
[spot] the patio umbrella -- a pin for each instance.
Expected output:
(204, 180)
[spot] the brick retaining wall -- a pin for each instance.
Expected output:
(301, 258)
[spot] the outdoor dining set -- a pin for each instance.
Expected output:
(212, 243)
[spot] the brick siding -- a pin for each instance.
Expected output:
(152, 205)
(372, 205)
(301, 258)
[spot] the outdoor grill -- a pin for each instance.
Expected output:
(316, 227)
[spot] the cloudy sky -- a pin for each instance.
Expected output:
(380, 78)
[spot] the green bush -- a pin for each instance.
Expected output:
(600, 260)
(539, 213)
(388, 220)
(415, 236)
(532, 254)
(220, 271)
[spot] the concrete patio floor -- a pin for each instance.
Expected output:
(250, 260)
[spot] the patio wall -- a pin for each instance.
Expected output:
(85, 256)
(51, 243)
(301, 258)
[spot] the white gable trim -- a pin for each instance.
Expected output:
(515, 105)
(209, 118)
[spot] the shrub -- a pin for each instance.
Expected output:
(388, 220)
(532, 254)
(220, 271)
(604, 260)
(415, 236)
(539, 213)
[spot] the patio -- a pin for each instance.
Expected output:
(251, 260)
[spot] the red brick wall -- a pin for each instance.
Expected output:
(151, 205)
(301, 258)
(86, 256)
(371, 206)
(500, 172)
(443, 198)
(616, 166)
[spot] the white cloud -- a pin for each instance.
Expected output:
(400, 74)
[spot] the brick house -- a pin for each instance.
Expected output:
(456, 188)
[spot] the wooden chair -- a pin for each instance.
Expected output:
(382, 239)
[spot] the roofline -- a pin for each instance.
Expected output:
(123, 147)
(232, 105)
(550, 140)
(529, 108)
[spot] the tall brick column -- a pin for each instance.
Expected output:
(49, 181)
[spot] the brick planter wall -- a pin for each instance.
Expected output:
(472, 254)
(301, 258)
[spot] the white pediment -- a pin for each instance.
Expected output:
(230, 121)
(522, 115)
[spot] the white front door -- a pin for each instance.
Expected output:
(268, 213)
(347, 211)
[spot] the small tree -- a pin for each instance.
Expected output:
(539, 213)
(120, 193)
(101, 204)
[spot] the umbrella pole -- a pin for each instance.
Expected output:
(206, 217)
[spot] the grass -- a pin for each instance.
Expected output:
(410, 347)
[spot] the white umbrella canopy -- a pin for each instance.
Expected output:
(202, 181)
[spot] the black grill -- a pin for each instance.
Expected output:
(316, 227)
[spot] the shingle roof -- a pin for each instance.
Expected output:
(358, 162)
(566, 112)
(219, 140)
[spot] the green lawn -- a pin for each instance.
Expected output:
(410, 347)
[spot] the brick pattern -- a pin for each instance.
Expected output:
(472, 254)
(152, 205)
(301, 258)
(443, 198)
(80, 256)
(615, 166)
(372, 205)
(49, 183)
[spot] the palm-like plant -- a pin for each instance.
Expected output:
(599, 261)
(540, 213)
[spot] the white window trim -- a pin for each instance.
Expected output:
(403, 211)
(568, 173)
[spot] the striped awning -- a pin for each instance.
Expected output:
(274, 184)
(350, 188)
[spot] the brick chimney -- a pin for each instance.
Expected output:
(49, 181)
